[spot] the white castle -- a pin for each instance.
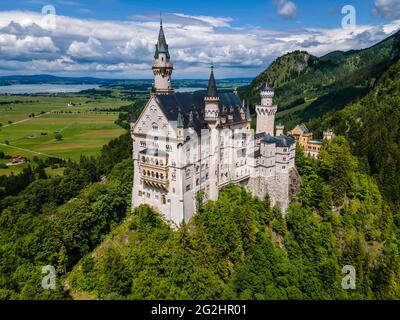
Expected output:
(186, 143)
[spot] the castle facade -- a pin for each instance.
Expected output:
(185, 144)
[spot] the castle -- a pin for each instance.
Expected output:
(185, 144)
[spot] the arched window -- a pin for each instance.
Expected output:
(144, 172)
(143, 159)
(163, 200)
(157, 175)
(152, 174)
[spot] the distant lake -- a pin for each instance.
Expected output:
(189, 89)
(45, 88)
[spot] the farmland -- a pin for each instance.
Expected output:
(31, 124)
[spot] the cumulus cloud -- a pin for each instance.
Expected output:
(388, 9)
(287, 9)
(26, 48)
(125, 48)
(90, 49)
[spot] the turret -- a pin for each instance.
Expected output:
(279, 130)
(266, 111)
(248, 114)
(211, 100)
(162, 66)
(328, 134)
(179, 127)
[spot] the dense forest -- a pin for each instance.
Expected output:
(55, 221)
(372, 126)
(240, 247)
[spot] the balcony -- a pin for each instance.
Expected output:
(154, 169)
(156, 179)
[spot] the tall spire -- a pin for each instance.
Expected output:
(212, 87)
(211, 100)
(161, 46)
(162, 66)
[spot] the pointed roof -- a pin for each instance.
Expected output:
(303, 128)
(179, 123)
(212, 87)
(267, 87)
(248, 115)
(161, 46)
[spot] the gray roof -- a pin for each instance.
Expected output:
(267, 87)
(212, 87)
(161, 46)
(316, 142)
(281, 141)
(259, 135)
(303, 128)
(188, 103)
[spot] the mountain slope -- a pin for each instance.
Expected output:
(307, 87)
(372, 126)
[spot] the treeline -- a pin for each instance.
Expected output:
(55, 221)
(130, 113)
(240, 247)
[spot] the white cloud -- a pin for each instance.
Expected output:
(11, 45)
(90, 49)
(212, 21)
(125, 49)
(388, 9)
(287, 9)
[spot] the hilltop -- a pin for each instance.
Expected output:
(308, 87)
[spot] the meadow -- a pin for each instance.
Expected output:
(30, 124)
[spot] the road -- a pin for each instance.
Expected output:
(27, 119)
(31, 151)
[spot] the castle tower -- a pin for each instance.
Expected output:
(211, 116)
(266, 111)
(279, 130)
(211, 100)
(162, 66)
(328, 134)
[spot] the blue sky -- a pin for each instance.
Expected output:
(115, 38)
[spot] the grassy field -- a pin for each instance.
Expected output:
(85, 128)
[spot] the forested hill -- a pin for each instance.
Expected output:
(372, 126)
(240, 247)
(307, 87)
